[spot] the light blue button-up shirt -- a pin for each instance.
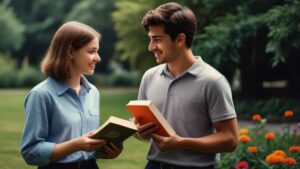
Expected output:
(54, 113)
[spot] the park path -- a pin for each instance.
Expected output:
(276, 127)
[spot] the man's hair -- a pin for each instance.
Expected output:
(70, 36)
(175, 19)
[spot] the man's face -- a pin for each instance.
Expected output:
(161, 45)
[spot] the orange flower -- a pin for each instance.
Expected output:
(274, 159)
(294, 149)
(256, 117)
(270, 136)
(289, 161)
(244, 131)
(279, 153)
(252, 149)
(288, 113)
(245, 138)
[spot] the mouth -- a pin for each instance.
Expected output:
(156, 53)
(92, 65)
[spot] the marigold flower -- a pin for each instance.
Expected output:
(279, 153)
(244, 131)
(274, 159)
(270, 136)
(289, 161)
(256, 117)
(294, 149)
(288, 113)
(242, 165)
(245, 138)
(253, 149)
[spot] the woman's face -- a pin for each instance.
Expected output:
(85, 59)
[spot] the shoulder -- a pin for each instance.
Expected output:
(40, 92)
(154, 71)
(42, 88)
(94, 89)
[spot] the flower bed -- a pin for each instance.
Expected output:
(262, 149)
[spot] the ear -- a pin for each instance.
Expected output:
(70, 53)
(180, 40)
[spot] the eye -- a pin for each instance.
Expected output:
(156, 40)
(92, 52)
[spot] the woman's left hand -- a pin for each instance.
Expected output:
(111, 151)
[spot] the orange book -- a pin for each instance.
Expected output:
(144, 111)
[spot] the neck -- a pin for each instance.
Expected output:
(183, 62)
(74, 83)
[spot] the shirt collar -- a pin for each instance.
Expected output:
(193, 70)
(61, 86)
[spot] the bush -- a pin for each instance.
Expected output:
(272, 108)
(123, 78)
(11, 77)
(29, 77)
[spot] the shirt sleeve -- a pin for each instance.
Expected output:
(34, 146)
(142, 89)
(220, 103)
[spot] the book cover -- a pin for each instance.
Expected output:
(115, 130)
(144, 111)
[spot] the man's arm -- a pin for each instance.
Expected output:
(224, 140)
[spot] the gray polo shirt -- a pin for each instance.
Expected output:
(190, 102)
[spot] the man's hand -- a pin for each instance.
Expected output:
(144, 131)
(166, 143)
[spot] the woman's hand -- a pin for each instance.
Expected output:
(86, 143)
(110, 151)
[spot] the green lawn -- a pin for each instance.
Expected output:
(112, 103)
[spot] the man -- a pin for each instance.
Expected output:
(194, 97)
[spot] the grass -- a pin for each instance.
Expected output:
(112, 103)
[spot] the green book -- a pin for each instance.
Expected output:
(115, 130)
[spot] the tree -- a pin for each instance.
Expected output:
(250, 37)
(41, 19)
(11, 32)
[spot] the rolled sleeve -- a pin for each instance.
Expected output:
(34, 147)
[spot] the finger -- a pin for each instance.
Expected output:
(96, 142)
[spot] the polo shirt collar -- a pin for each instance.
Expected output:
(193, 70)
(61, 86)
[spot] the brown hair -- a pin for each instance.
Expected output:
(175, 18)
(70, 36)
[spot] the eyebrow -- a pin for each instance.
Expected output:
(155, 36)
(94, 47)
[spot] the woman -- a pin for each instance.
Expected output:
(62, 112)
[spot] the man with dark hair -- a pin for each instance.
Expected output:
(193, 97)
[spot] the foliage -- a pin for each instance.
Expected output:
(262, 149)
(132, 44)
(258, 38)
(284, 32)
(11, 31)
(41, 19)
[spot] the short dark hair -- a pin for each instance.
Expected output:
(70, 36)
(175, 18)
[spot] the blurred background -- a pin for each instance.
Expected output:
(254, 43)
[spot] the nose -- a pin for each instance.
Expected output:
(151, 46)
(97, 58)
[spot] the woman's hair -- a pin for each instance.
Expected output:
(175, 19)
(70, 36)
